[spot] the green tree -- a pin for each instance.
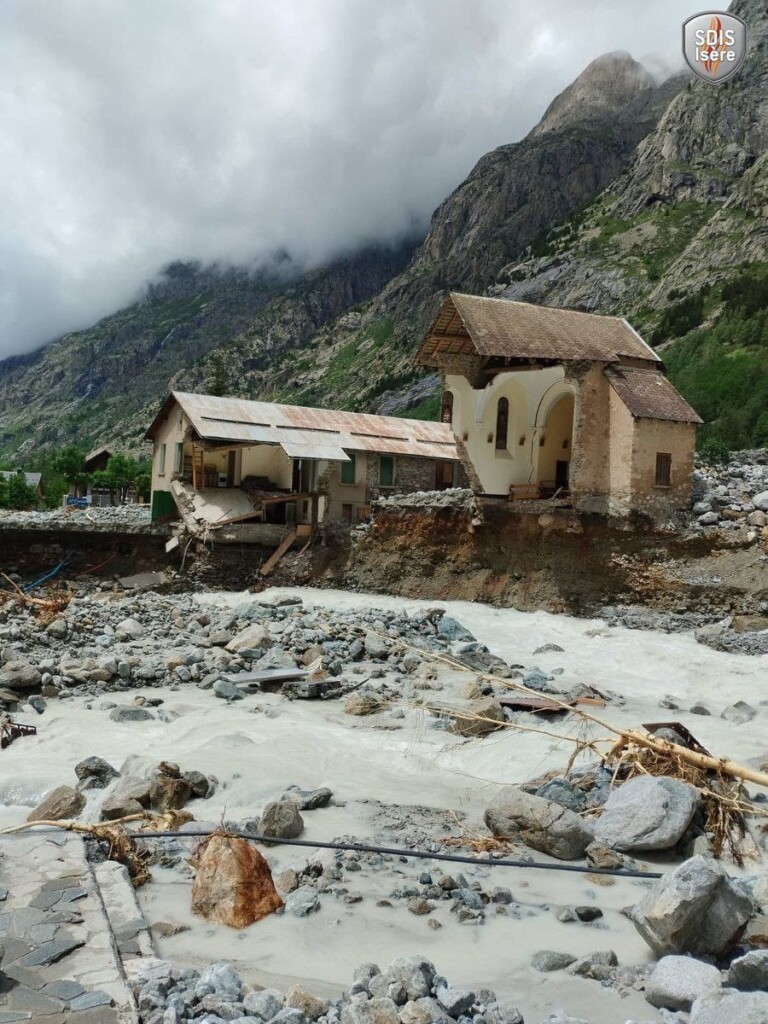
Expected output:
(219, 380)
(15, 492)
(70, 463)
(118, 476)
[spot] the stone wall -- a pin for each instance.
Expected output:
(411, 474)
(675, 439)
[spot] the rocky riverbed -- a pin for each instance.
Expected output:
(377, 743)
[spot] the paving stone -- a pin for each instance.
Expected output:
(24, 976)
(3, 894)
(62, 882)
(11, 1016)
(63, 989)
(96, 1015)
(88, 1000)
(27, 1000)
(13, 949)
(50, 952)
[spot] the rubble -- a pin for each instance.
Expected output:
(734, 494)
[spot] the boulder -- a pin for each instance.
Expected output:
(130, 796)
(695, 908)
(375, 646)
(167, 793)
(380, 1010)
(547, 960)
(251, 638)
(362, 702)
(95, 773)
(281, 820)
(297, 998)
(739, 713)
(20, 675)
(265, 1004)
(415, 974)
(750, 972)
(126, 713)
(760, 501)
(233, 884)
(129, 629)
(63, 802)
(483, 717)
(541, 824)
(227, 690)
(731, 1008)
(647, 813)
(452, 630)
(677, 980)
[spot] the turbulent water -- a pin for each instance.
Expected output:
(256, 756)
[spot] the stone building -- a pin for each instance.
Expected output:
(226, 460)
(553, 403)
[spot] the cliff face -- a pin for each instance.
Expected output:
(343, 335)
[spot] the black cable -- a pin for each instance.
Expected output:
(500, 862)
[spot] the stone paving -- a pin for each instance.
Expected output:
(59, 958)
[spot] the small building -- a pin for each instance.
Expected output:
(97, 460)
(33, 480)
(553, 403)
(227, 460)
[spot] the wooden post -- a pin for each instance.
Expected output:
(194, 470)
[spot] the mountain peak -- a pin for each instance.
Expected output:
(605, 88)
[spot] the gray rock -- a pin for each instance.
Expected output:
(677, 980)
(62, 802)
(265, 1004)
(750, 972)
(309, 800)
(484, 716)
(760, 501)
(598, 966)
(19, 675)
(709, 519)
(547, 960)
(541, 824)
(226, 690)
(695, 909)
(126, 713)
(95, 773)
(647, 813)
(415, 973)
(281, 820)
(379, 1010)
(455, 1001)
(452, 630)
(731, 1008)
(564, 793)
(130, 629)
(289, 1015)
(301, 901)
(740, 712)
(375, 646)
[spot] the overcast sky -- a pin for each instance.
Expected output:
(135, 132)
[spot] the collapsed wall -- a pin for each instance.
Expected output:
(533, 555)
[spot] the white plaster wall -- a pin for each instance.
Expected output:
(267, 460)
(169, 433)
(530, 393)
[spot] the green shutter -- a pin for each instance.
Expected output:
(348, 470)
(386, 470)
(162, 504)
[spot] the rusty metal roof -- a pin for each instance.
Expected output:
(310, 433)
(468, 324)
(649, 395)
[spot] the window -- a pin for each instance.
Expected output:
(386, 470)
(346, 513)
(348, 470)
(663, 469)
(161, 460)
(502, 423)
(178, 457)
(446, 408)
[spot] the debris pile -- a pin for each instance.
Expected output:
(734, 494)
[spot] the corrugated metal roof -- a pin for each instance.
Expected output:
(311, 433)
(649, 395)
(32, 479)
(521, 330)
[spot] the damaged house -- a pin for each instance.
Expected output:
(553, 403)
(226, 461)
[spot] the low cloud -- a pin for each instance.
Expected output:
(136, 132)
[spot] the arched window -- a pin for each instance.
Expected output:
(446, 408)
(502, 423)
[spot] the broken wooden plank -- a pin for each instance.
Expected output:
(277, 554)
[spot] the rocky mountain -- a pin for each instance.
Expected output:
(679, 243)
(345, 334)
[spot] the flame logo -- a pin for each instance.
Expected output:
(713, 66)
